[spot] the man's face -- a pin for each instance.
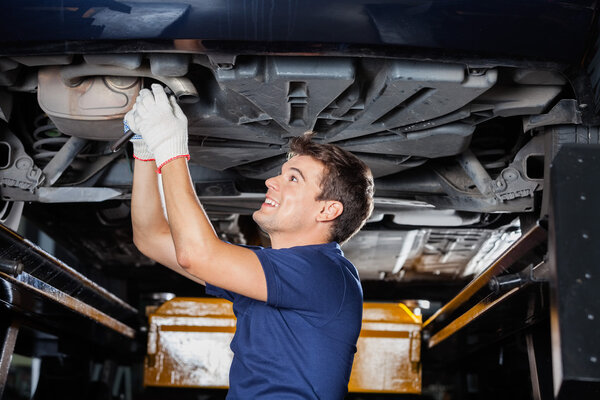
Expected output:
(290, 204)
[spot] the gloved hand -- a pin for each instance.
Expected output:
(140, 149)
(162, 125)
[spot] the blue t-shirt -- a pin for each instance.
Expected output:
(300, 344)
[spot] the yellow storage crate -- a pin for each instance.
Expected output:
(388, 356)
(188, 346)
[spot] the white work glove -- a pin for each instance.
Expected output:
(140, 148)
(162, 125)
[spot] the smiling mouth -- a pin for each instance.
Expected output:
(270, 202)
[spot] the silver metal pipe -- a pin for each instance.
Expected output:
(63, 158)
(476, 172)
(181, 87)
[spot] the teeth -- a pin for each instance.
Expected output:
(271, 202)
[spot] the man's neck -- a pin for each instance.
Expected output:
(285, 241)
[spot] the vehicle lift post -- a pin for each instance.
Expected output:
(574, 256)
(564, 354)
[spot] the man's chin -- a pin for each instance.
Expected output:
(259, 218)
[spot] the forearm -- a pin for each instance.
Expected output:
(151, 233)
(192, 232)
(198, 248)
(146, 208)
(188, 241)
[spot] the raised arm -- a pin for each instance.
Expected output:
(196, 246)
(151, 232)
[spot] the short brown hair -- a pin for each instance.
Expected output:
(346, 179)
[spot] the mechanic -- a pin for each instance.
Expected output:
(299, 303)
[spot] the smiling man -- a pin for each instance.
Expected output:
(299, 303)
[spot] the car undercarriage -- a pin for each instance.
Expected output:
(454, 148)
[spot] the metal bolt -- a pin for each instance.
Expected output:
(23, 163)
(11, 267)
(580, 160)
(582, 197)
(593, 359)
(585, 236)
(588, 276)
(591, 317)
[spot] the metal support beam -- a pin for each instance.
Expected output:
(540, 361)
(476, 172)
(52, 297)
(574, 252)
(8, 337)
(65, 156)
(530, 240)
(535, 379)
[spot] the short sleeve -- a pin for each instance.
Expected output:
(304, 279)
(218, 292)
(222, 293)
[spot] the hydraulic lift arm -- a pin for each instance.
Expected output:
(40, 292)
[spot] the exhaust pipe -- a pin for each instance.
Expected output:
(181, 87)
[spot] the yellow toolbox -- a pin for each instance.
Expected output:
(188, 346)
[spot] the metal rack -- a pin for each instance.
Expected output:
(41, 293)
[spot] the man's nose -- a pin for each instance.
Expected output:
(271, 183)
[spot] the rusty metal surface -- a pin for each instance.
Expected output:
(468, 317)
(188, 346)
(46, 283)
(388, 355)
(47, 268)
(494, 319)
(8, 337)
(31, 283)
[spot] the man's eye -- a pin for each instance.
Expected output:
(293, 178)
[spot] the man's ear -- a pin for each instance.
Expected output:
(331, 210)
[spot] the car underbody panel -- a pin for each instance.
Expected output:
(452, 146)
